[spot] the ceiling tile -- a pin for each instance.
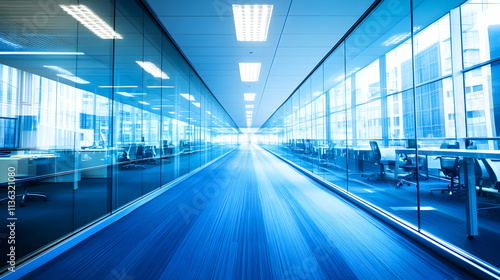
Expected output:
(204, 31)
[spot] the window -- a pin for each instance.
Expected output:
(8, 135)
(480, 31)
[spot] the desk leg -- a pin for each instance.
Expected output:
(427, 167)
(471, 206)
(396, 167)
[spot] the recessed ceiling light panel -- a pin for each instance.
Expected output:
(73, 79)
(152, 69)
(249, 72)
(252, 22)
(188, 96)
(249, 96)
(93, 22)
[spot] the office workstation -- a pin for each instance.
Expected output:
(343, 141)
(408, 122)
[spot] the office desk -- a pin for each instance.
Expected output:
(322, 150)
(94, 163)
(20, 164)
(468, 175)
(364, 154)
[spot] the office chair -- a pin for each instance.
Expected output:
(167, 151)
(376, 157)
(140, 152)
(330, 153)
(150, 154)
(487, 178)
(450, 167)
(126, 162)
(25, 195)
(307, 147)
(411, 168)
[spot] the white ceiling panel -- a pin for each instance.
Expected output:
(329, 7)
(318, 24)
(301, 33)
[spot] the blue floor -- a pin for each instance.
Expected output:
(248, 216)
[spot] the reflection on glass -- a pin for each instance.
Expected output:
(393, 141)
(94, 147)
(480, 31)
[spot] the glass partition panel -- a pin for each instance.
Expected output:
(94, 141)
(480, 31)
(411, 118)
(91, 121)
(379, 67)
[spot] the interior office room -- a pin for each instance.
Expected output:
(285, 139)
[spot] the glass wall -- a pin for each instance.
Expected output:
(97, 109)
(403, 114)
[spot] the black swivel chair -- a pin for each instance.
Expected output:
(150, 154)
(411, 166)
(307, 147)
(21, 181)
(376, 158)
(330, 154)
(167, 151)
(450, 167)
(488, 180)
(125, 161)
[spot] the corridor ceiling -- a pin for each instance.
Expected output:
(301, 33)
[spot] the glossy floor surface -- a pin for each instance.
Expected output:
(248, 216)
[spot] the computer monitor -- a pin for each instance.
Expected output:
(411, 144)
(7, 133)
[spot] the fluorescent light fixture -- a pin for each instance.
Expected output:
(124, 94)
(252, 22)
(144, 102)
(73, 79)
(152, 69)
(396, 39)
(117, 86)
(131, 94)
(249, 106)
(41, 53)
(249, 112)
(172, 112)
(249, 96)
(59, 69)
(188, 96)
(93, 22)
(155, 108)
(197, 104)
(160, 87)
(208, 112)
(249, 72)
(10, 44)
